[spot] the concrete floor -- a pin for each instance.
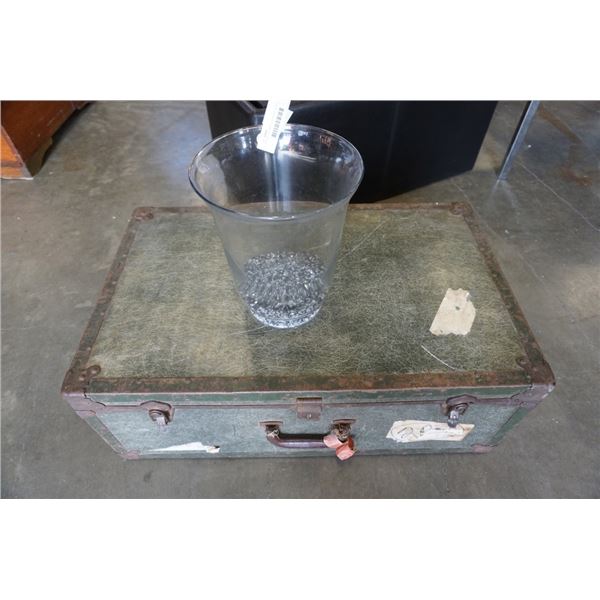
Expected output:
(61, 230)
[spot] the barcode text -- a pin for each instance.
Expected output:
(277, 122)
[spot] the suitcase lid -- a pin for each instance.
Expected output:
(168, 320)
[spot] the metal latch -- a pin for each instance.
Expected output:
(309, 408)
(453, 408)
(160, 417)
(160, 412)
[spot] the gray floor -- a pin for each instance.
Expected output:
(61, 230)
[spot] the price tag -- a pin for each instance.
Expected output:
(275, 119)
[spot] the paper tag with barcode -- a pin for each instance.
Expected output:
(276, 116)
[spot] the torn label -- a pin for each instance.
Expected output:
(276, 116)
(455, 314)
(426, 431)
(191, 447)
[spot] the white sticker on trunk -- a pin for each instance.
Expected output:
(455, 314)
(191, 447)
(427, 431)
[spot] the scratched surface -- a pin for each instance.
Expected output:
(175, 311)
(238, 432)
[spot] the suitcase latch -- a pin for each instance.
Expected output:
(160, 412)
(309, 408)
(160, 417)
(455, 407)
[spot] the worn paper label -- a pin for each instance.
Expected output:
(276, 116)
(426, 431)
(455, 314)
(191, 447)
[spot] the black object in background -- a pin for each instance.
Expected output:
(404, 145)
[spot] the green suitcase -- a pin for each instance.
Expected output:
(172, 366)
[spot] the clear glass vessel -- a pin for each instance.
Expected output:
(280, 216)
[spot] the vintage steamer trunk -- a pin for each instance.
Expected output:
(171, 364)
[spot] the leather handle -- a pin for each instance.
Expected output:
(294, 440)
(339, 434)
